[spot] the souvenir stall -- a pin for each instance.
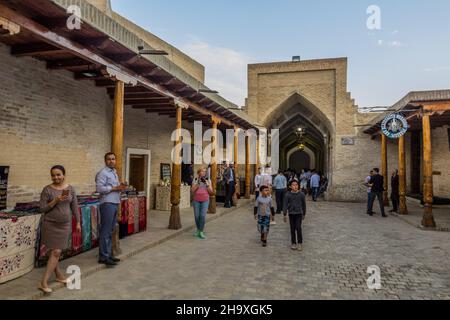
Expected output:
(18, 234)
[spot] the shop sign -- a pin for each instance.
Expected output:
(394, 126)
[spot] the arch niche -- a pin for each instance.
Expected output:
(297, 111)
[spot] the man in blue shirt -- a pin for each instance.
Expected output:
(108, 185)
(280, 186)
(315, 185)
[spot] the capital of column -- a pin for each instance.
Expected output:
(215, 120)
(181, 104)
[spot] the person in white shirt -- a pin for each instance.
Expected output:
(258, 182)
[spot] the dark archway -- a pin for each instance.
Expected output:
(299, 160)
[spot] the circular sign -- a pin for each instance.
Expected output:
(394, 126)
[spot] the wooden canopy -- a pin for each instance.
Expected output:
(93, 55)
(436, 104)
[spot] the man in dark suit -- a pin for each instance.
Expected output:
(230, 185)
(377, 184)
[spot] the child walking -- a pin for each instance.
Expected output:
(263, 212)
(295, 206)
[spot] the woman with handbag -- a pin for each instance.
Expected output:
(201, 190)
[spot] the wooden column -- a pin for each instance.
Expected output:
(403, 209)
(236, 165)
(257, 156)
(247, 167)
(212, 199)
(117, 148)
(117, 134)
(428, 219)
(175, 189)
(384, 169)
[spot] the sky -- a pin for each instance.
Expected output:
(406, 48)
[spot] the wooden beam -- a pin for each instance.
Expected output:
(143, 100)
(135, 90)
(33, 49)
(212, 209)
(148, 103)
(247, 167)
(117, 136)
(384, 169)
(159, 110)
(81, 51)
(68, 63)
(175, 188)
(153, 106)
(403, 209)
(105, 83)
(428, 218)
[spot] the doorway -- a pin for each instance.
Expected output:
(138, 171)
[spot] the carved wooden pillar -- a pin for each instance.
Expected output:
(175, 188)
(403, 209)
(117, 147)
(117, 135)
(257, 156)
(428, 219)
(384, 169)
(247, 167)
(236, 165)
(212, 199)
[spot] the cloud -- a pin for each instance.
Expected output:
(396, 44)
(391, 44)
(437, 69)
(395, 32)
(226, 69)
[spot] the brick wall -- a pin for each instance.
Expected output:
(47, 118)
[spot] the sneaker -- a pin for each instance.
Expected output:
(300, 247)
(201, 235)
(294, 247)
(264, 243)
(273, 223)
(196, 234)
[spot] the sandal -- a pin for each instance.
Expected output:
(45, 290)
(66, 281)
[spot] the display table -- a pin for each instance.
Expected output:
(17, 245)
(163, 198)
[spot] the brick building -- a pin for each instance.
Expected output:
(57, 106)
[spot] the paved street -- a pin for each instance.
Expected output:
(341, 242)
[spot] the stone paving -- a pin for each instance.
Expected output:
(341, 242)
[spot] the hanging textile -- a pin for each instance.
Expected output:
(131, 210)
(142, 214)
(86, 228)
(94, 225)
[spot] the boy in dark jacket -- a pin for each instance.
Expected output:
(295, 206)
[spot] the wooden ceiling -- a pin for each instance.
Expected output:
(52, 17)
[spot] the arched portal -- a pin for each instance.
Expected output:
(297, 111)
(300, 159)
